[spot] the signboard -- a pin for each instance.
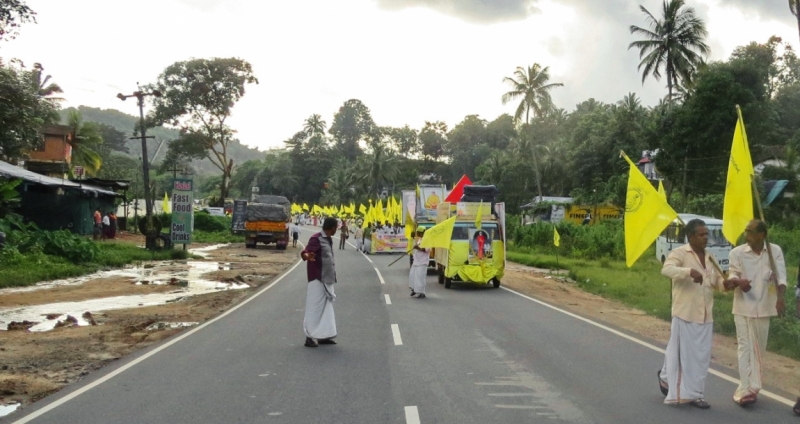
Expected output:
(409, 205)
(429, 199)
(239, 216)
(388, 243)
(182, 211)
(469, 210)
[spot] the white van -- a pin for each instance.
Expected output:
(674, 236)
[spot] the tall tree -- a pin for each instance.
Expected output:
(14, 13)
(198, 96)
(23, 112)
(351, 124)
(532, 86)
(794, 6)
(432, 139)
(675, 43)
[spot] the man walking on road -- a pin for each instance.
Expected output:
(419, 267)
(294, 230)
(344, 235)
(319, 321)
(358, 234)
(694, 278)
(758, 295)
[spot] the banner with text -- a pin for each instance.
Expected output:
(388, 243)
(182, 211)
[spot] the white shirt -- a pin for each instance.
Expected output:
(760, 301)
(691, 301)
(421, 257)
(106, 220)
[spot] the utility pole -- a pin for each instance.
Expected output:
(683, 188)
(148, 200)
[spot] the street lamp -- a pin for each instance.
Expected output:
(150, 235)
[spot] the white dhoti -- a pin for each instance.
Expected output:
(417, 277)
(367, 245)
(319, 321)
(751, 335)
(687, 360)
(359, 244)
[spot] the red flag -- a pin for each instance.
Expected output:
(458, 190)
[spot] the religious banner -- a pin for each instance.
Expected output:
(389, 243)
(469, 210)
(429, 199)
(182, 211)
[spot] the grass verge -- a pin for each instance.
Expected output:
(643, 287)
(199, 236)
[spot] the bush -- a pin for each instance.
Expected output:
(212, 224)
(603, 240)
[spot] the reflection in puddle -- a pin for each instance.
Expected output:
(7, 409)
(186, 277)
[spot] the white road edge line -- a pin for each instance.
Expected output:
(723, 376)
(380, 277)
(140, 359)
(412, 415)
(388, 301)
(396, 335)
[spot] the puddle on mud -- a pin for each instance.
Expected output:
(203, 251)
(7, 409)
(185, 276)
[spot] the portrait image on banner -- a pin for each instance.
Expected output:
(430, 197)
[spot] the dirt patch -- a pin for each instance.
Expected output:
(36, 364)
(779, 371)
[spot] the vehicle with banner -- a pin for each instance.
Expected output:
(388, 243)
(266, 221)
(476, 255)
(424, 202)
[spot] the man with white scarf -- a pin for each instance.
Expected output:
(682, 377)
(758, 295)
(319, 321)
(419, 267)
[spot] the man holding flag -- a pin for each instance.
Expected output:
(419, 267)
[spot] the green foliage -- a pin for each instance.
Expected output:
(351, 124)
(13, 13)
(602, 240)
(205, 222)
(216, 237)
(707, 205)
(9, 196)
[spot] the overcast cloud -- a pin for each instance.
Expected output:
(408, 60)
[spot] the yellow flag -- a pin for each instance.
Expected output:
(737, 210)
(479, 216)
(165, 203)
(409, 230)
(646, 214)
(556, 237)
(305, 207)
(439, 235)
(661, 191)
(362, 209)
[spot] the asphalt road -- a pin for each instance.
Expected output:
(465, 355)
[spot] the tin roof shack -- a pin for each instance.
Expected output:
(57, 203)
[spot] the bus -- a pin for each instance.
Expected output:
(674, 236)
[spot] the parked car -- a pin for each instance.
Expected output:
(214, 211)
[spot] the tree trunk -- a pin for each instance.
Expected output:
(224, 188)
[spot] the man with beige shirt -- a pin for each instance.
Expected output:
(694, 278)
(758, 295)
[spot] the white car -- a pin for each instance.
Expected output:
(215, 211)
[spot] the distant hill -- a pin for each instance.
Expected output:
(126, 124)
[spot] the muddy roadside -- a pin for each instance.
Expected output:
(34, 364)
(135, 307)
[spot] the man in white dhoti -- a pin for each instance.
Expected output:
(683, 376)
(319, 321)
(758, 295)
(359, 236)
(417, 276)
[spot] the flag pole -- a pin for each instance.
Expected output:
(766, 240)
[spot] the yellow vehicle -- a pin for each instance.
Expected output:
(476, 256)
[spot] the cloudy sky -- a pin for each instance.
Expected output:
(408, 60)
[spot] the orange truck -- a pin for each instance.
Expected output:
(267, 222)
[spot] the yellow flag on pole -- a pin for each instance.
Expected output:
(661, 191)
(439, 235)
(410, 230)
(556, 237)
(646, 214)
(165, 203)
(737, 209)
(479, 216)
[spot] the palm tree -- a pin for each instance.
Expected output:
(532, 86)
(85, 136)
(314, 125)
(377, 169)
(794, 6)
(674, 43)
(43, 87)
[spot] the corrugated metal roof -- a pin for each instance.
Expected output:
(8, 170)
